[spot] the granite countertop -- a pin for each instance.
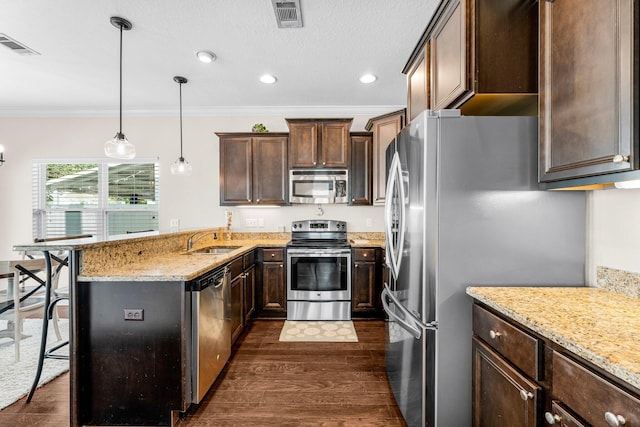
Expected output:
(601, 326)
(367, 243)
(176, 266)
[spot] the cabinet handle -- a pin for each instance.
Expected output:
(619, 158)
(526, 395)
(494, 335)
(614, 420)
(552, 418)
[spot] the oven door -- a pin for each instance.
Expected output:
(318, 274)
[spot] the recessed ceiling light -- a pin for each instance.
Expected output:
(368, 78)
(268, 79)
(206, 56)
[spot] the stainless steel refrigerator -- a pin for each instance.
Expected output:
(463, 208)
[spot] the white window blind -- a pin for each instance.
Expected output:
(98, 197)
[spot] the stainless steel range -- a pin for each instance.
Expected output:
(319, 271)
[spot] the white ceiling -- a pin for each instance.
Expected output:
(317, 65)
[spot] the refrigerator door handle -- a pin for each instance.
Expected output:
(415, 331)
(393, 248)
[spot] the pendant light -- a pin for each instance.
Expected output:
(180, 166)
(119, 147)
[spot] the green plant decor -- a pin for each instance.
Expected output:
(260, 128)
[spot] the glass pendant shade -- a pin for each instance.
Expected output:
(181, 167)
(119, 148)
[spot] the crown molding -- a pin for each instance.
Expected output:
(297, 111)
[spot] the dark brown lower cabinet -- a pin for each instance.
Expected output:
(502, 396)
(249, 284)
(271, 290)
(365, 282)
(236, 291)
(567, 391)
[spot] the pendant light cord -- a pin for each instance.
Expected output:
(120, 79)
(180, 84)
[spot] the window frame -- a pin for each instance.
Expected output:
(102, 209)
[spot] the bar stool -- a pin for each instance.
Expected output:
(49, 307)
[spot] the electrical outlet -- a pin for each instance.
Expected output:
(251, 222)
(133, 314)
(260, 222)
(369, 222)
(174, 223)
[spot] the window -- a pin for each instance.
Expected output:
(97, 197)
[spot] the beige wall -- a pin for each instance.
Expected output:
(614, 231)
(193, 200)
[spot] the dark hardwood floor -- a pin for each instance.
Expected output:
(269, 383)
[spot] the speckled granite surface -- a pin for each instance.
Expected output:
(598, 325)
(623, 282)
(366, 239)
(169, 266)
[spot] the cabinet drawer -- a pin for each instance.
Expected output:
(368, 254)
(520, 348)
(561, 416)
(248, 260)
(235, 267)
(273, 254)
(590, 396)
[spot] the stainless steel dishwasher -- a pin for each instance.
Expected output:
(211, 333)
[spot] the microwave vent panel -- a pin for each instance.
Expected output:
(288, 14)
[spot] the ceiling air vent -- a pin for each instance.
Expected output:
(288, 13)
(16, 46)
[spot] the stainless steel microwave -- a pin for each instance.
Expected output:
(318, 186)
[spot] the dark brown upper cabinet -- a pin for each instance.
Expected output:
(319, 143)
(588, 88)
(384, 129)
(360, 173)
(480, 56)
(253, 169)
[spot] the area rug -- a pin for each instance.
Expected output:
(318, 331)
(16, 377)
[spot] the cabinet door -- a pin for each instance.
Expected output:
(501, 395)
(303, 145)
(249, 293)
(384, 132)
(236, 306)
(586, 88)
(274, 295)
(360, 172)
(418, 84)
(235, 170)
(270, 170)
(335, 145)
(449, 57)
(363, 292)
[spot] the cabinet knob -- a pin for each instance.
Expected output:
(273, 255)
(355, 265)
(552, 418)
(257, 200)
(314, 163)
(494, 335)
(619, 158)
(614, 420)
(281, 266)
(526, 395)
(324, 163)
(353, 200)
(364, 255)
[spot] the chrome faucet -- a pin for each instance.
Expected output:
(192, 242)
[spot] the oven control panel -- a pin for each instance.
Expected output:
(319, 225)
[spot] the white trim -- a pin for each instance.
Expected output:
(297, 111)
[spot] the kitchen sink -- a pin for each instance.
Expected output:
(214, 250)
